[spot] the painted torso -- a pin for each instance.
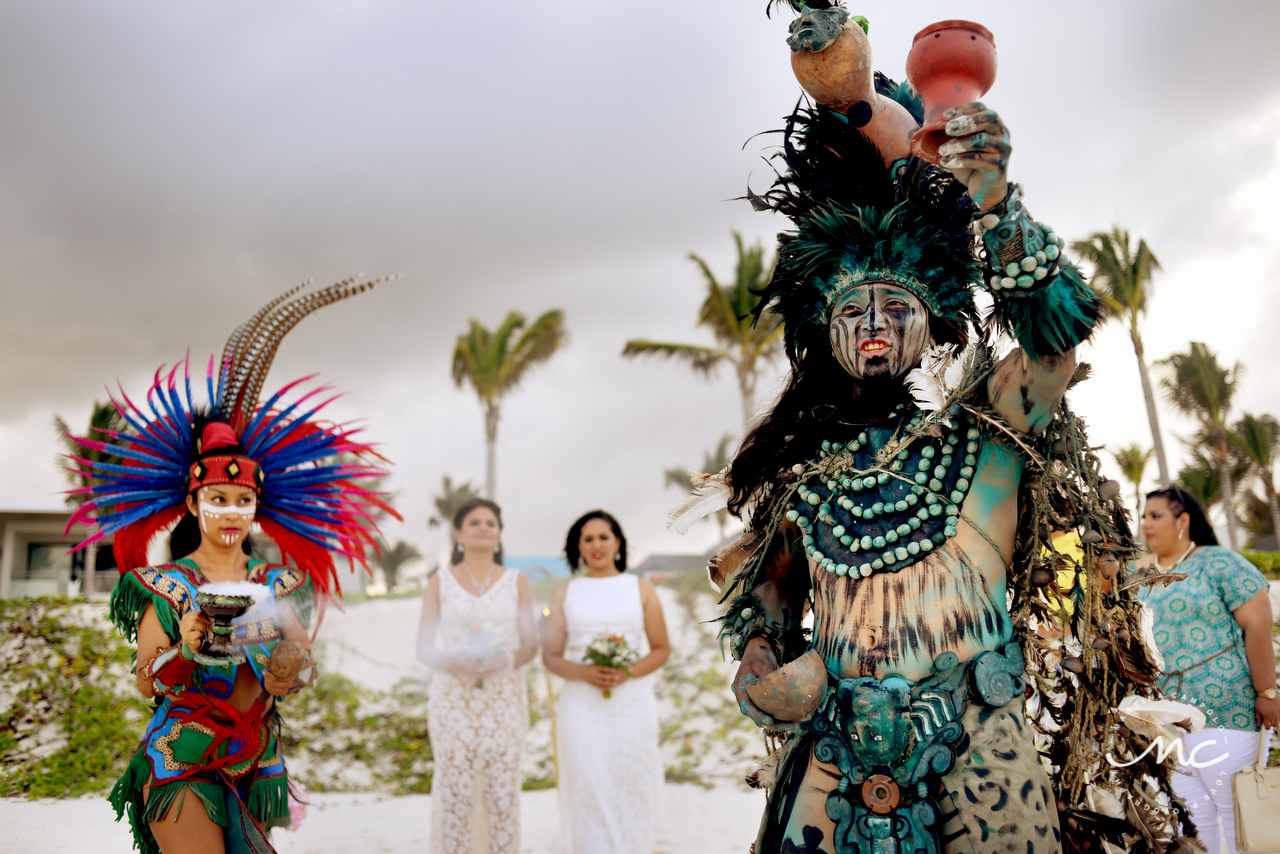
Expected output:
(952, 599)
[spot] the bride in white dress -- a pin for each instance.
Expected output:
(476, 633)
(610, 770)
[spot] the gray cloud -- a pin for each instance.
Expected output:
(166, 168)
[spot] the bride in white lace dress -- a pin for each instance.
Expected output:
(476, 633)
(610, 770)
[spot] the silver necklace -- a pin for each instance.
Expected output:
(480, 587)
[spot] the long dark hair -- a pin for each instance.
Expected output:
(461, 515)
(1181, 501)
(574, 537)
(821, 401)
(185, 538)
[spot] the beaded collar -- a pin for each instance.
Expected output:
(886, 499)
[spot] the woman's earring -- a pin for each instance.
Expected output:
(497, 548)
(617, 556)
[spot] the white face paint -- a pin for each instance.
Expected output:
(879, 330)
(227, 523)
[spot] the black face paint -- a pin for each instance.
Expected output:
(879, 330)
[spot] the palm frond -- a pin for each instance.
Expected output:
(1258, 438)
(703, 360)
(1132, 461)
(536, 345)
(1121, 276)
(1199, 386)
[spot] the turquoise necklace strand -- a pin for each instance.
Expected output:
(867, 509)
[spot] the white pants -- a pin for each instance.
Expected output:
(1204, 782)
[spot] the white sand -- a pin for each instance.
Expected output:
(696, 821)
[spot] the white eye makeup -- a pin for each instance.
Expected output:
(211, 514)
(206, 507)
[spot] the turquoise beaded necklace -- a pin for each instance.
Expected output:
(865, 510)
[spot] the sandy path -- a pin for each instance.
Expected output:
(696, 821)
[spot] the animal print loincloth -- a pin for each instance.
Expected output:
(1001, 800)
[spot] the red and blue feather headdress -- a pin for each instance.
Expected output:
(305, 470)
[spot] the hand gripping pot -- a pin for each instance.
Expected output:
(794, 691)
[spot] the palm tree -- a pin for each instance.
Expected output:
(1122, 278)
(1132, 461)
(1258, 438)
(495, 362)
(392, 558)
(104, 419)
(712, 462)
(1203, 389)
(1200, 478)
(740, 339)
(449, 500)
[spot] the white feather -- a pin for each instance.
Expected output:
(764, 776)
(711, 494)
(930, 384)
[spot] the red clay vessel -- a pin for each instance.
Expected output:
(950, 63)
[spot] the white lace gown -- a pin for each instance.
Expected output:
(610, 769)
(477, 731)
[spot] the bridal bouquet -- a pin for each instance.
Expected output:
(482, 640)
(611, 651)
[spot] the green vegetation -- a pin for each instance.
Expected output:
(1268, 562)
(69, 717)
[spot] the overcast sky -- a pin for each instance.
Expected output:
(166, 168)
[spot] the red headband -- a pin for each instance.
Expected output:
(230, 468)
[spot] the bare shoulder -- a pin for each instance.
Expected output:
(648, 593)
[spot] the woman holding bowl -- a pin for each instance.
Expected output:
(476, 633)
(610, 769)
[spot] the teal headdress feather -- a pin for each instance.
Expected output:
(837, 248)
(855, 223)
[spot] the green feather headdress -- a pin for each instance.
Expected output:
(837, 248)
(857, 221)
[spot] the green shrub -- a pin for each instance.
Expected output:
(1268, 562)
(70, 718)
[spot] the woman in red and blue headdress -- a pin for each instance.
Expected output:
(209, 774)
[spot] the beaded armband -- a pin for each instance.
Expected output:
(170, 670)
(1022, 254)
(746, 619)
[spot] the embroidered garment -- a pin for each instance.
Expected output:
(610, 769)
(196, 740)
(1199, 637)
(477, 728)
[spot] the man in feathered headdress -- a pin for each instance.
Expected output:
(891, 491)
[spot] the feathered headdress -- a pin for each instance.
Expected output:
(857, 221)
(305, 470)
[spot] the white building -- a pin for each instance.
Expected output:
(35, 552)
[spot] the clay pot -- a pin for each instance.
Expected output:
(794, 691)
(950, 63)
(840, 75)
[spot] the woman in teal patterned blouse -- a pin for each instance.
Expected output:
(1214, 630)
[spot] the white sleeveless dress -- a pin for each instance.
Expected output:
(610, 769)
(477, 732)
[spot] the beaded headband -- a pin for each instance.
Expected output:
(846, 279)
